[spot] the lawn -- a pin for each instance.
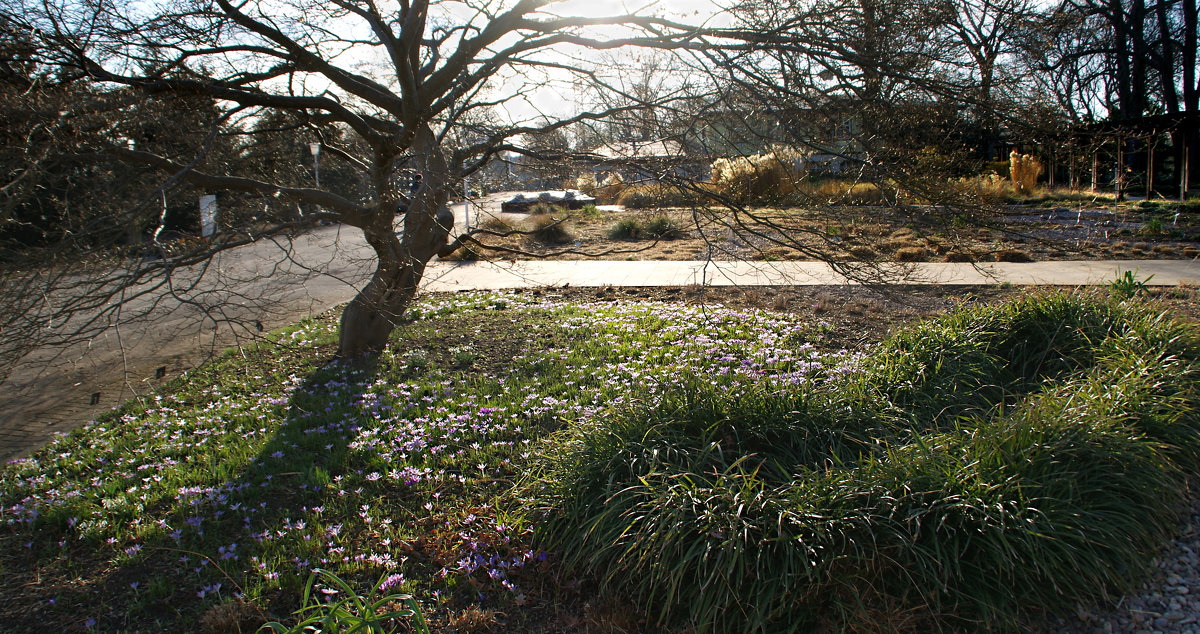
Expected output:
(530, 464)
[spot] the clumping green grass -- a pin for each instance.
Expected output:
(1003, 459)
(626, 229)
(656, 227)
(549, 231)
(711, 466)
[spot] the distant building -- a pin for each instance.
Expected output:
(644, 161)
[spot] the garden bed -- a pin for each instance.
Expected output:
(841, 233)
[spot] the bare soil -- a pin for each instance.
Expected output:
(1017, 234)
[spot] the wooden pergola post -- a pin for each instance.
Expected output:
(1120, 175)
(1095, 168)
(1150, 166)
(1184, 167)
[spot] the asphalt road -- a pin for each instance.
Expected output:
(263, 285)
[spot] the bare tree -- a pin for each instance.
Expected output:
(433, 67)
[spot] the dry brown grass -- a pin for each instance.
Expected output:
(985, 188)
(1012, 255)
(839, 192)
(656, 195)
(863, 252)
(761, 177)
(912, 254)
(782, 253)
(498, 225)
(606, 617)
(904, 242)
(476, 620)
(465, 253)
(549, 231)
(587, 184)
(230, 617)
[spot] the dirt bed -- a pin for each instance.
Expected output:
(847, 233)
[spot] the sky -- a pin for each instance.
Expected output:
(693, 8)
(561, 100)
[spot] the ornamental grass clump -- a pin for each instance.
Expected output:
(759, 178)
(549, 232)
(1025, 456)
(1024, 170)
(657, 227)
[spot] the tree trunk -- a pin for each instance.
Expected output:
(1191, 90)
(371, 317)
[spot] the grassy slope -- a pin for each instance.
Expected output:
(256, 470)
(211, 504)
(1001, 459)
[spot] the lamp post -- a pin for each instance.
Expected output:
(467, 202)
(315, 149)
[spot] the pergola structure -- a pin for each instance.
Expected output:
(1130, 146)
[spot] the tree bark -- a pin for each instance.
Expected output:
(371, 317)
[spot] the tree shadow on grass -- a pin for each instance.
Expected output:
(293, 484)
(221, 537)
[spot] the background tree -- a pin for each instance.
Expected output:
(989, 33)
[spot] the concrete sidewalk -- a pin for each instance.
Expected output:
(457, 276)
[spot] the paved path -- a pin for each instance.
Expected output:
(277, 284)
(445, 276)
